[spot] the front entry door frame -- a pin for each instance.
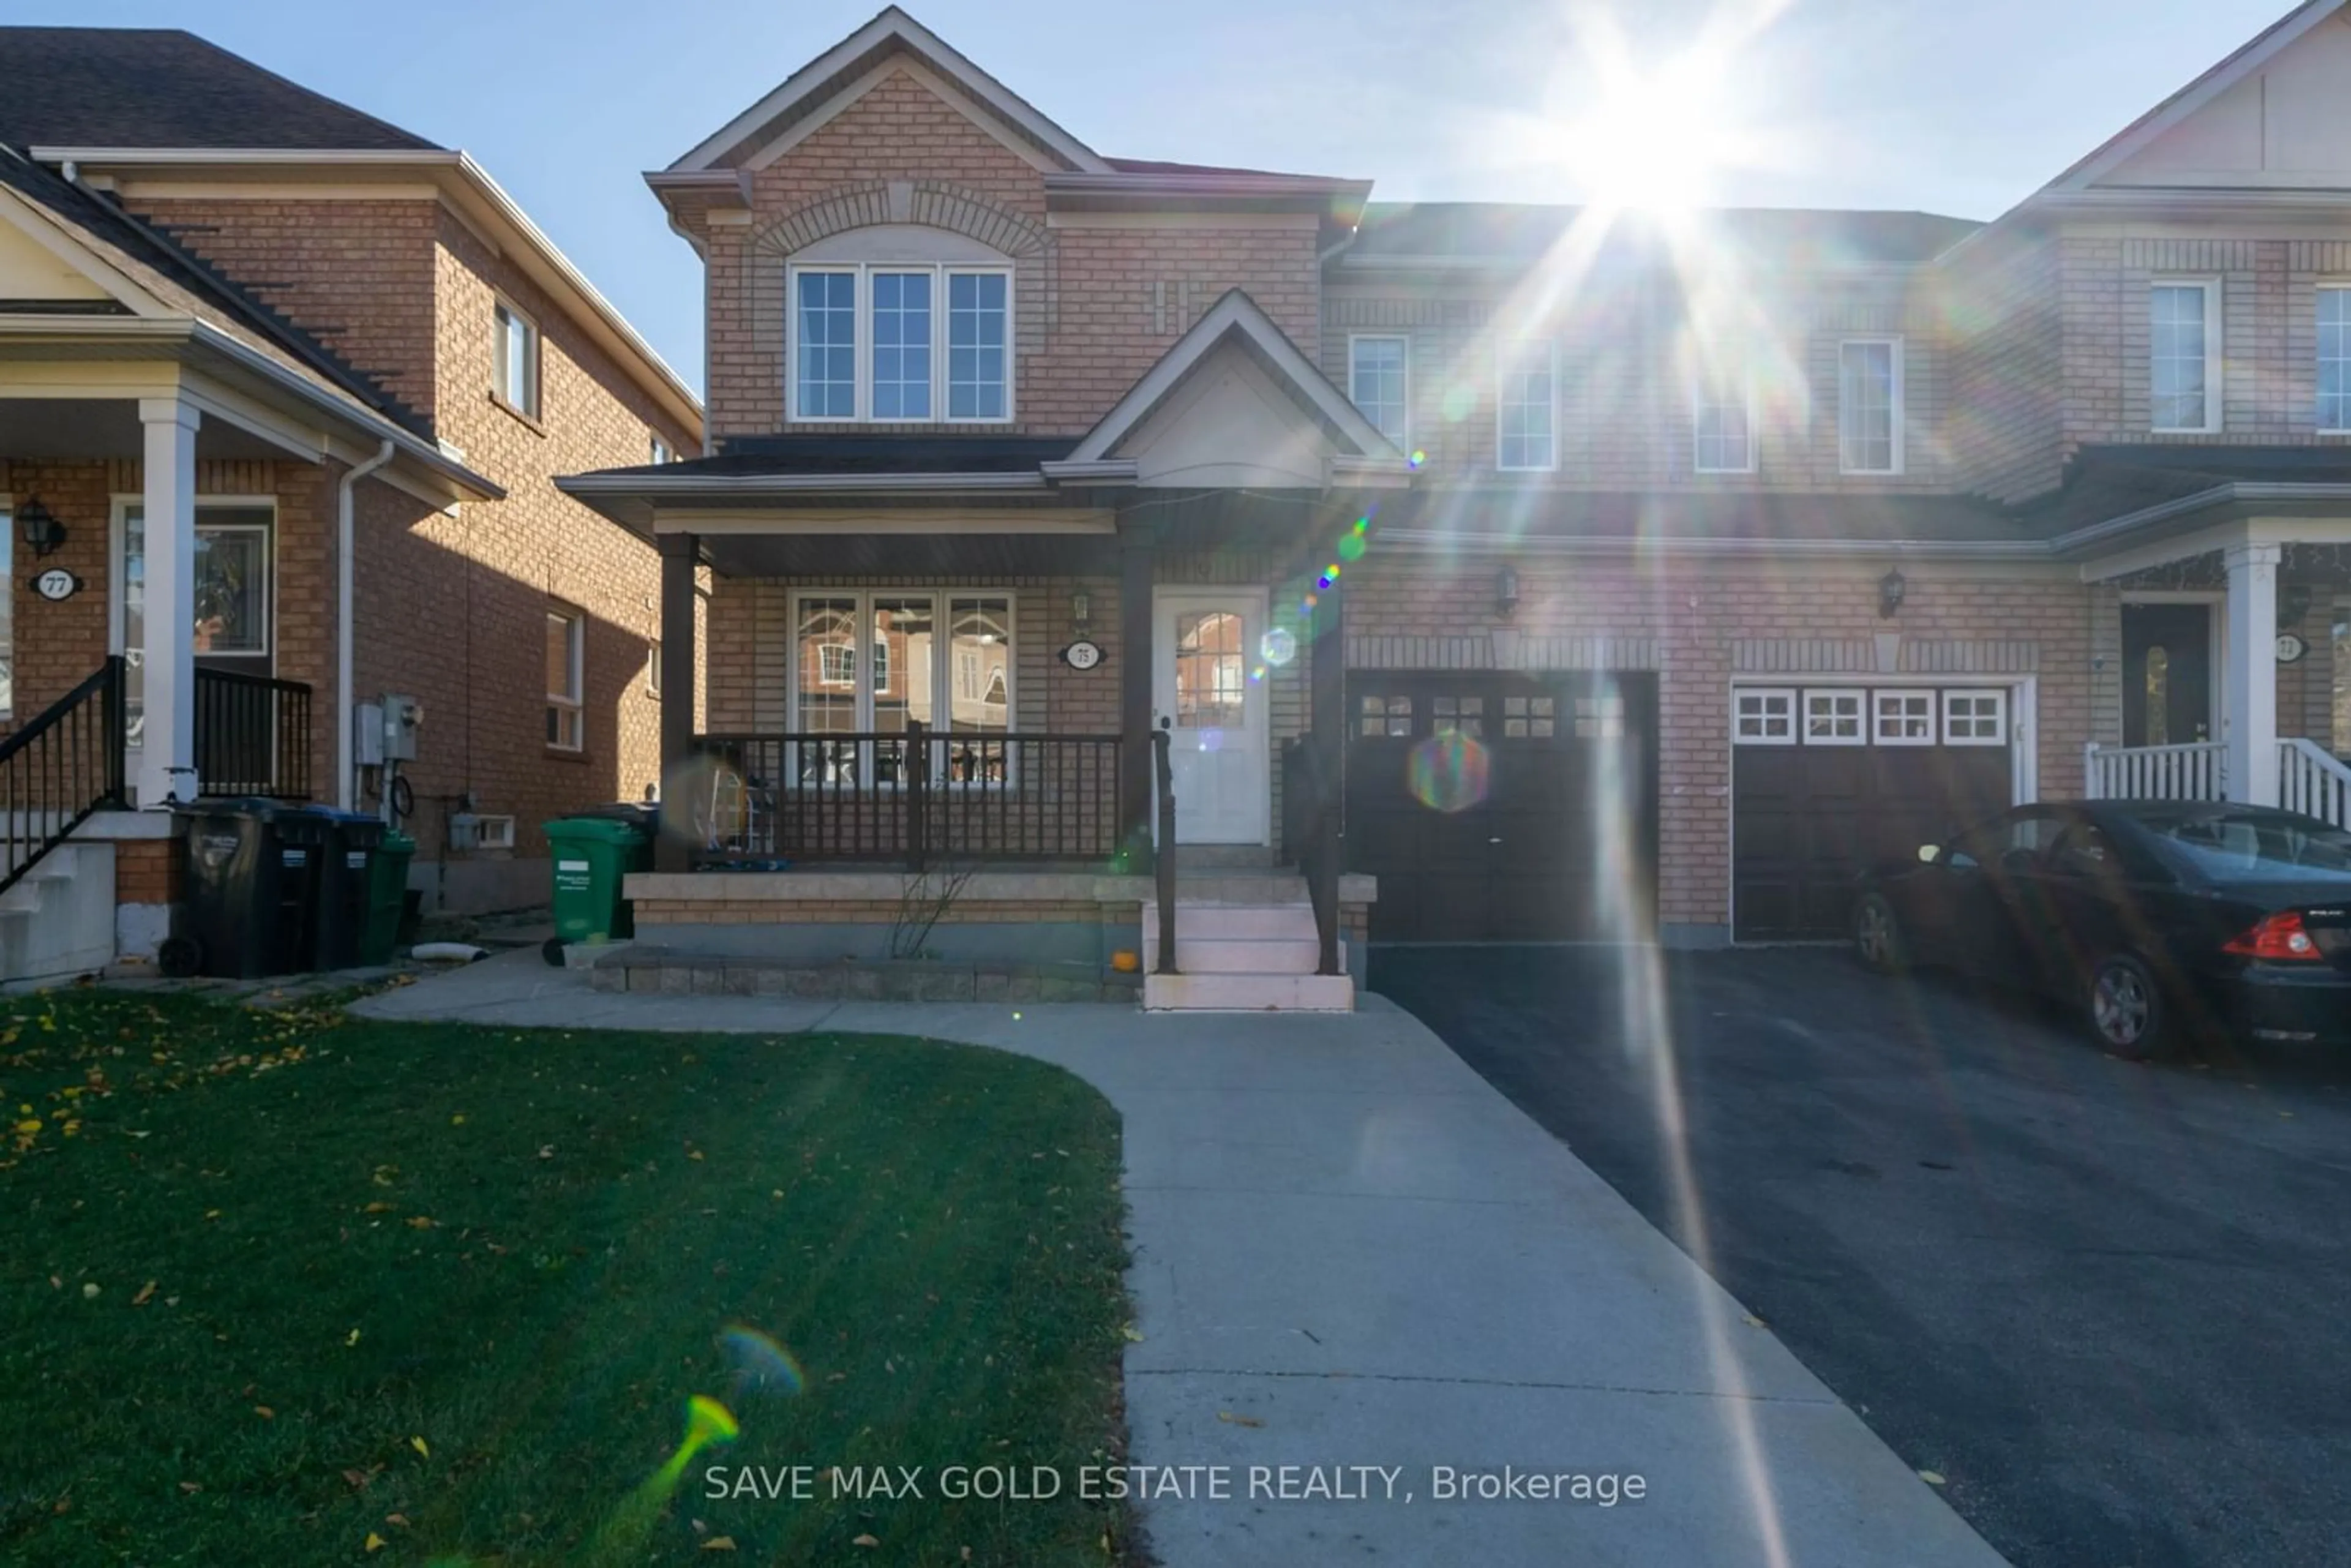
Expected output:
(2215, 645)
(1256, 730)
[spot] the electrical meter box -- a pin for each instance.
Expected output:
(367, 735)
(403, 717)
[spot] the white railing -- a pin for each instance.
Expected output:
(2313, 782)
(2189, 772)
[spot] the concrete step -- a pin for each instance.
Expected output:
(1248, 993)
(57, 921)
(1251, 921)
(1244, 956)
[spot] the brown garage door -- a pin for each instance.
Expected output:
(1829, 780)
(1504, 808)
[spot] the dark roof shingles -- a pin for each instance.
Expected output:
(1513, 231)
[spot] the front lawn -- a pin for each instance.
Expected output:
(296, 1289)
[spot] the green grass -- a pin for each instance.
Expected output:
(934, 1231)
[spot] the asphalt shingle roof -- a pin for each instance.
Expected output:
(1523, 232)
(122, 86)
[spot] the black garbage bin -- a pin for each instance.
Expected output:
(253, 868)
(346, 881)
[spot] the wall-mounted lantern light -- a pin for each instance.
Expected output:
(1506, 592)
(41, 528)
(1891, 588)
(2294, 604)
(1082, 605)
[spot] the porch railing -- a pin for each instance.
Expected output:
(2313, 781)
(2193, 771)
(914, 795)
(58, 767)
(252, 736)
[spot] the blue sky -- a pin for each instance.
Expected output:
(1869, 103)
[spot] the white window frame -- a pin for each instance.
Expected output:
(1763, 713)
(661, 452)
(576, 702)
(1893, 344)
(1402, 437)
(1831, 697)
(1900, 714)
(1701, 383)
(8, 609)
(2339, 290)
(653, 670)
(2213, 357)
(942, 597)
(942, 273)
(1996, 695)
(1507, 359)
(503, 310)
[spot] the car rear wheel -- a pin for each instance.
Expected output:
(1877, 936)
(2126, 1009)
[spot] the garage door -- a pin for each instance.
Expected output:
(1828, 780)
(1504, 808)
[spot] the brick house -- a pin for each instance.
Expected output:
(1514, 573)
(283, 391)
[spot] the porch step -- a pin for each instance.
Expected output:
(1243, 956)
(1233, 922)
(58, 922)
(1248, 993)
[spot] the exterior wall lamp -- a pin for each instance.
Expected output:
(1506, 592)
(1081, 604)
(1891, 589)
(41, 528)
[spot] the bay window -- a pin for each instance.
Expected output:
(900, 343)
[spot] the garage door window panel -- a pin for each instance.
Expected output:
(1388, 718)
(1975, 718)
(1903, 718)
(1458, 716)
(1528, 718)
(1764, 716)
(1833, 716)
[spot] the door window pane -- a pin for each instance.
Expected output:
(901, 345)
(900, 633)
(982, 655)
(827, 698)
(232, 590)
(975, 345)
(1209, 678)
(827, 346)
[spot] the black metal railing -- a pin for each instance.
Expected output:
(60, 767)
(1311, 823)
(252, 735)
(1163, 860)
(914, 795)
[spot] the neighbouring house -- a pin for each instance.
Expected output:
(1475, 573)
(283, 391)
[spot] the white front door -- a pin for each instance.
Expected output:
(1208, 692)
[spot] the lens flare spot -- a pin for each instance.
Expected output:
(1417, 457)
(1278, 646)
(1258, 673)
(1351, 548)
(687, 791)
(1448, 772)
(759, 1364)
(1211, 740)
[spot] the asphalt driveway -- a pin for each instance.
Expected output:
(2110, 1304)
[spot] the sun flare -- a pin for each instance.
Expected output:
(1651, 141)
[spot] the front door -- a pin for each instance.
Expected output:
(1208, 692)
(2167, 673)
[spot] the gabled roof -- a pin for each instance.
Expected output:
(2134, 138)
(1235, 317)
(809, 89)
(122, 86)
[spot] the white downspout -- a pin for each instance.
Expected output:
(343, 534)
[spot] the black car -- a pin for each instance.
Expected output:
(2161, 921)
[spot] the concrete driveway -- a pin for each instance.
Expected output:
(1357, 1267)
(2106, 1302)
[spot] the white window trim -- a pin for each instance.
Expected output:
(1747, 384)
(1403, 340)
(1507, 356)
(537, 341)
(942, 597)
(1999, 694)
(9, 570)
(2215, 358)
(2326, 286)
(1893, 450)
(1861, 715)
(862, 313)
(1897, 695)
(577, 649)
(1791, 716)
(653, 670)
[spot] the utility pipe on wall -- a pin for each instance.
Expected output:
(344, 529)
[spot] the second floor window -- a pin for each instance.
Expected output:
(2183, 330)
(1528, 410)
(901, 344)
(2335, 358)
(1375, 383)
(1723, 421)
(513, 376)
(1869, 406)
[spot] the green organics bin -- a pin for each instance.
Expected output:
(591, 854)
(387, 896)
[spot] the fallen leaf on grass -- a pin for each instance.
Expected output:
(719, 1543)
(353, 1340)
(419, 1222)
(1131, 1331)
(358, 1478)
(90, 1292)
(376, 1208)
(376, 1543)
(146, 1293)
(191, 1488)
(863, 1541)
(1239, 1420)
(1932, 1477)
(265, 1412)
(399, 1519)
(418, 1444)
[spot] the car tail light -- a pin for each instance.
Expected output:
(2279, 939)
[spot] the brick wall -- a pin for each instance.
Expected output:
(1094, 304)
(2004, 429)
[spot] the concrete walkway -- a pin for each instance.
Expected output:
(1350, 1251)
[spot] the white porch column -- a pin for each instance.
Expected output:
(167, 757)
(2249, 674)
